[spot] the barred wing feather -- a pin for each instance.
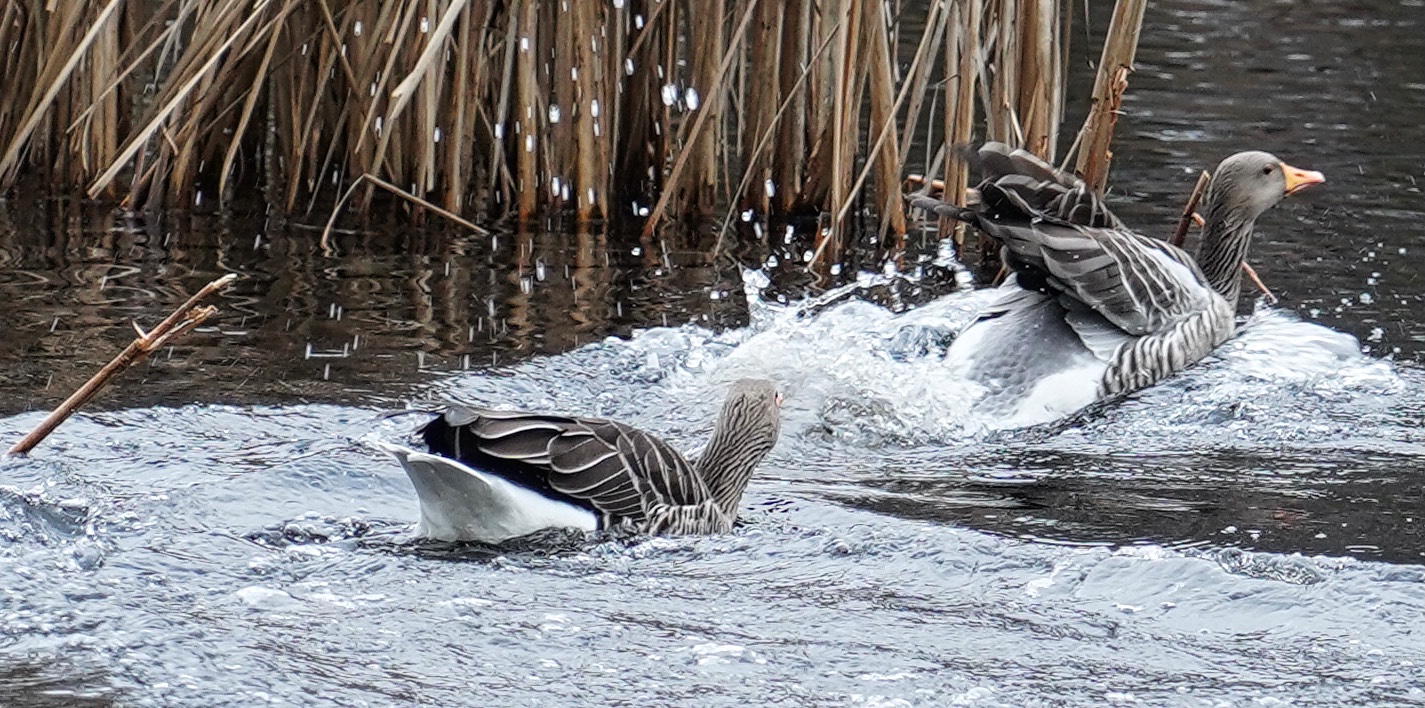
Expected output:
(619, 471)
(1139, 284)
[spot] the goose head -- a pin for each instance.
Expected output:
(1248, 183)
(753, 408)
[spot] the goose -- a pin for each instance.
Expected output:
(1093, 310)
(490, 475)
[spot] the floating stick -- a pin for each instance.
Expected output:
(183, 320)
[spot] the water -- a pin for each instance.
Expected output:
(217, 529)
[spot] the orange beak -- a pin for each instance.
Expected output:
(1297, 180)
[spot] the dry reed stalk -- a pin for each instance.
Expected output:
(917, 81)
(790, 149)
(672, 182)
(765, 139)
(828, 176)
(180, 322)
(962, 56)
(591, 172)
(59, 65)
(1041, 83)
(522, 127)
(763, 109)
(884, 153)
(1119, 49)
(1001, 123)
(708, 64)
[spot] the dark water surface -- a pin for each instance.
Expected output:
(218, 530)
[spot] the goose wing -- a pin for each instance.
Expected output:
(618, 471)
(1059, 236)
(1141, 285)
(1034, 186)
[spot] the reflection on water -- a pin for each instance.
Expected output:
(216, 530)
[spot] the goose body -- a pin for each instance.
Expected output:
(1093, 310)
(490, 476)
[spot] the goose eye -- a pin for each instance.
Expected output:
(1267, 170)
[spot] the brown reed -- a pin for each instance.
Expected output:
(1119, 49)
(639, 109)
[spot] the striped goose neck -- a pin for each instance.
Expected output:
(729, 458)
(1226, 237)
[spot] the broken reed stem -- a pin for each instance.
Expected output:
(1180, 233)
(1252, 276)
(183, 320)
(393, 189)
(1119, 49)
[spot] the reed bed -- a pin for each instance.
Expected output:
(629, 109)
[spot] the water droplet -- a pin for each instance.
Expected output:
(627, 66)
(638, 21)
(669, 93)
(356, 28)
(690, 97)
(553, 113)
(436, 136)
(425, 25)
(594, 108)
(499, 131)
(770, 188)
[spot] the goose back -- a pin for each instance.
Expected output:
(624, 475)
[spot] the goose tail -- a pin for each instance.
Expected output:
(461, 503)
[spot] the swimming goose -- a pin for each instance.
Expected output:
(1093, 310)
(490, 476)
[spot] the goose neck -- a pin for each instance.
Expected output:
(727, 463)
(1226, 237)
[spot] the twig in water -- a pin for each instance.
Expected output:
(183, 320)
(368, 177)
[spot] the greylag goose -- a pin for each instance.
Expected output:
(1093, 310)
(491, 476)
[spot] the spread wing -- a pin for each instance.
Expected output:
(614, 469)
(1058, 235)
(1035, 186)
